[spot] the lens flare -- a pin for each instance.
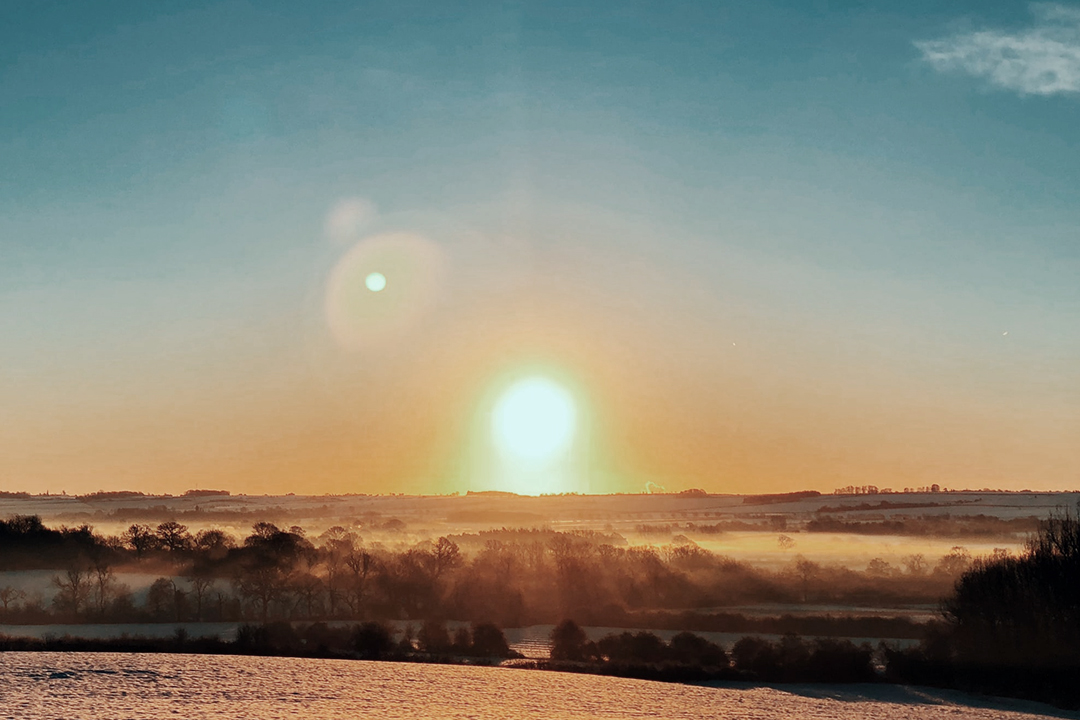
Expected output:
(363, 308)
(375, 282)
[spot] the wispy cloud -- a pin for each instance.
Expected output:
(1043, 59)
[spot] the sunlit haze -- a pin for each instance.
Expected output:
(283, 247)
(534, 421)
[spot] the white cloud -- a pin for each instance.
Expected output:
(1043, 59)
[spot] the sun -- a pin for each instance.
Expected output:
(534, 420)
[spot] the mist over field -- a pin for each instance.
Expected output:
(799, 555)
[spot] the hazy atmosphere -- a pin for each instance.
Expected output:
(271, 247)
(531, 359)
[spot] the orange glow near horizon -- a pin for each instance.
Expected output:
(383, 392)
(402, 419)
(313, 253)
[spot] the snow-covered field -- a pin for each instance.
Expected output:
(103, 686)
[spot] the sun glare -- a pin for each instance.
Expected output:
(534, 420)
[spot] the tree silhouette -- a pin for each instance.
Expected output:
(9, 595)
(433, 637)
(373, 640)
(140, 538)
(173, 536)
(1022, 610)
(488, 641)
(568, 641)
(73, 589)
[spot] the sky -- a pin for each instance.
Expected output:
(763, 246)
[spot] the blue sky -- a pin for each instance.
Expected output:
(867, 198)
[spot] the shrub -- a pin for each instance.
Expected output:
(433, 637)
(488, 641)
(690, 649)
(373, 640)
(568, 641)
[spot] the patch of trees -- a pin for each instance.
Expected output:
(887, 505)
(931, 525)
(374, 640)
(511, 577)
(690, 657)
(775, 498)
(482, 642)
(520, 535)
(700, 528)
(814, 625)
(493, 516)
(26, 543)
(201, 515)
(1011, 625)
(112, 495)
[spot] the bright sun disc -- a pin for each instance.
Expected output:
(534, 420)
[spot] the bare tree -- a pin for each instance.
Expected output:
(878, 567)
(9, 595)
(213, 543)
(308, 587)
(74, 588)
(445, 556)
(955, 562)
(263, 584)
(140, 538)
(166, 599)
(338, 543)
(335, 571)
(201, 584)
(173, 536)
(806, 571)
(916, 564)
(103, 580)
(360, 564)
(161, 598)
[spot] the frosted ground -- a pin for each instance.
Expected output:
(107, 686)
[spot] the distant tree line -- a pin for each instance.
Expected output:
(944, 525)
(777, 498)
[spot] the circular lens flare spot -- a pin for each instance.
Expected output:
(363, 310)
(375, 282)
(534, 420)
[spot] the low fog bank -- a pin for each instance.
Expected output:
(515, 577)
(765, 530)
